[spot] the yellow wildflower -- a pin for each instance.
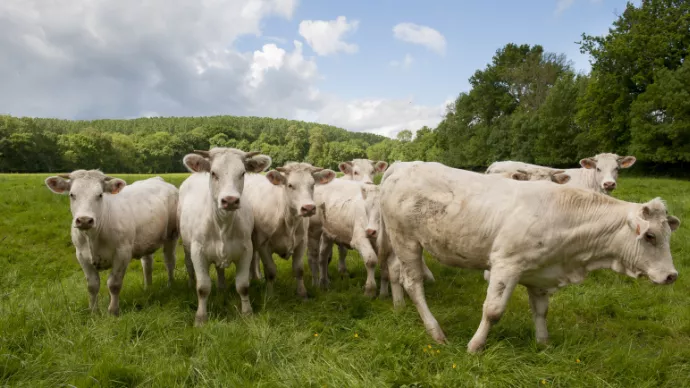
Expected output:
(543, 382)
(316, 334)
(356, 335)
(454, 366)
(577, 361)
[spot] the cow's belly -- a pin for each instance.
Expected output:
(282, 246)
(553, 276)
(462, 254)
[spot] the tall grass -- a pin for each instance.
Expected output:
(608, 331)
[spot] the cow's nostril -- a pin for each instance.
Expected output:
(671, 278)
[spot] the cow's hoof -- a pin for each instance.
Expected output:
(199, 321)
(475, 347)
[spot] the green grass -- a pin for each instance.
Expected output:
(624, 332)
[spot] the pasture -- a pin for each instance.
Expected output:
(609, 331)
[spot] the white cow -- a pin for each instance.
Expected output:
(216, 220)
(285, 201)
(538, 234)
(344, 208)
(113, 222)
(360, 170)
(598, 173)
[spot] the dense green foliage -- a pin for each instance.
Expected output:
(526, 104)
(624, 332)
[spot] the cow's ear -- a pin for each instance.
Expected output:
(115, 185)
(324, 176)
(345, 168)
(638, 224)
(627, 161)
(58, 185)
(519, 176)
(673, 222)
(275, 177)
(588, 163)
(380, 166)
(258, 163)
(560, 178)
(196, 163)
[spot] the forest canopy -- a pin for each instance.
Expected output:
(527, 104)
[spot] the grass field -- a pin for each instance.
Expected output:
(608, 331)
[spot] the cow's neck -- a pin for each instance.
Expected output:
(589, 177)
(224, 221)
(603, 230)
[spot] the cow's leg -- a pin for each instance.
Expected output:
(539, 304)
(363, 246)
(428, 275)
(220, 273)
(147, 266)
(117, 274)
(270, 268)
(203, 283)
(385, 277)
(191, 277)
(326, 247)
(242, 268)
(93, 283)
(298, 268)
(410, 255)
(255, 269)
(394, 270)
(313, 249)
(342, 261)
(501, 285)
(170, 258)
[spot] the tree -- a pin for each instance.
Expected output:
(660, 118)
(642, 41)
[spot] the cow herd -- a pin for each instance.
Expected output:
(520, 223)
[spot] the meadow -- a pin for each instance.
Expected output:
(610, 331)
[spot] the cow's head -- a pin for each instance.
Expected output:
(362, 170)
(556, 176)
(87, 191)
(298, 180)
(649, 248)
(226, 168)
(372, 204)
(606, 168)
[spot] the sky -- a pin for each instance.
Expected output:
(378, 66)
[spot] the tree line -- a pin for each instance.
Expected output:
(527, 104)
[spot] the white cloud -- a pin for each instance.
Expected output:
(405, 63)
(121, 59)
(326, 37)
(384, 117)
(422, 35)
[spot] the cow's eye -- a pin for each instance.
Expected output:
(290, 186)
(356, 173)
(214, 176)
(243, 172)
(100, 196)
(72, 196)
(650, 237)
(598, 169)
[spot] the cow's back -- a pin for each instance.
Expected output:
(454, 214)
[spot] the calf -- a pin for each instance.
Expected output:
(216, 220)
(598, 173)
(284, 203)
(113, 222)
(537, 234)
